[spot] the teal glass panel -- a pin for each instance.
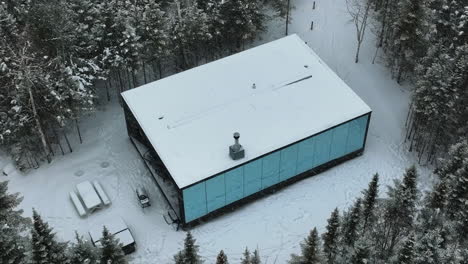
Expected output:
(215, 193)
(322, 147)
(270, 173)
(305, 156)
(338, 147)
(195, 202)
(288, 162)
(234, 180)
(356, 134)
(252, 177)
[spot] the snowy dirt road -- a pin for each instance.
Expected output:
(276, 223)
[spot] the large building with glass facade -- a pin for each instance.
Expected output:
(294, 115)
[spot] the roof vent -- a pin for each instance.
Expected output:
(236, 151)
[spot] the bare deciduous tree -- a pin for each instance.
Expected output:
(359, 12)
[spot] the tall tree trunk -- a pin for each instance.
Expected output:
(107, 90)
(66, 139)
(144, 72)
(78, 129)
(356, 60)
(38, 123)
(384, 24)
(129, 81)
(159, 69)
(134, 77)
(58, 139)
(120, 81)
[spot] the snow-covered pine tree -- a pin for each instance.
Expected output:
(435, 105)
(457, 155)
(361, 253)
(438, 113)
(83, 252)
(50, 86)
(188, 32)
(241, 21)
(189, 254)
(221, 258)
(427, 248)
(403, 197)
(154, 36)
(457, 200)
(351, 224)
(369, 200)
(408, 45)
(256, 257)
(215, 45)
(386, 15)
(310, 250)
(246, 257)
(45, 248)
(12, 224)
(111, 30)
(111, 251)
(179, 258)
(331, 236)
(399, 212)
(406, 253)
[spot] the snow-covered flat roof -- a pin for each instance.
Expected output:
(190, 117)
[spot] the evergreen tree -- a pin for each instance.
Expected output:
(399, 212)
(45, 248)
(427, 249)
(408, 35)
(310, 250)
(351, 224)
(12, 224)
(179, 258)
(241, 20)
(188, 33)
(221, 258)
(256, 257)
(406, 254)
(438, 114)
(330, 237)
(111, 251)
(360, 254)
(451, 193)
(83, 252)
(403, 198)
(246, 258)
(456, 158)
(154, 34)
(369, 201)
(188, 255)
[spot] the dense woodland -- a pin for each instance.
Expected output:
(425, 42)
(54, 52)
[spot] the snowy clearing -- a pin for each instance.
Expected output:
(108, 156)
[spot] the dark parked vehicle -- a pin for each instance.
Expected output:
(143, 197)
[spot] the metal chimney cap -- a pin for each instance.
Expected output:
(236, 135)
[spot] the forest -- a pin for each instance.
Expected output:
(54, 53)
(425, 43)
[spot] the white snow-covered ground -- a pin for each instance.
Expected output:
(276, 223)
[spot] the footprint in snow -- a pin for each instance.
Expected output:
(79, 173)
(104, 164)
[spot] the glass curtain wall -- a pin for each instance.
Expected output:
(226, 188)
